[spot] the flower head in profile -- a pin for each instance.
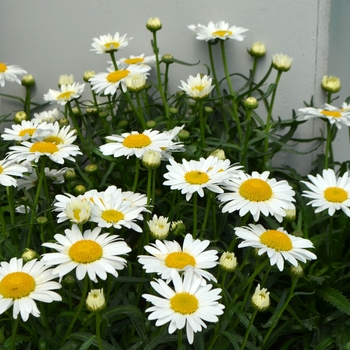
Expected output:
(159, 226)
(109, 82)
(198, 87)
(168, 256)
(22, 285)
(154, 24)
(281, 62)
(261, 298)
(329, 192)
(95, 300)
(90, 253)
(331, 84)
(109, 43)
(140, 60)
(10, 73)
(277, 244)
(257, 194)
(258, 49)
(8, 169)
(47, 116)
(228, 261)
(135, 143)
(136, 82)
(335, 116)
(220, 30)
(194, 176)
(188, 304)
(67, 92)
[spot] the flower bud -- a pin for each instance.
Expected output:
(70, 175)
(29, 255)
(159, 227)
(76, 111)
(331, 84)
(281, 62)
(296, 271)
(261, 299)
(173, 110)
(250, 103)
(63, 122)
(92, 110)
(28, 80)
(150, 124)
(20, 116)
(136, 82)
(151, 159)
(228, 261)
(258, 49)
(103, 114)
(79, 189)
(183, 135)
(41, 220)
(218, 153)
(290, 214)
(91, 168)
(168, 58)
(123, 123)
(88, 75)
(154, 24)
(95, 300)
(177, 228)
(65, 80)
(68, 281)
(208, 110)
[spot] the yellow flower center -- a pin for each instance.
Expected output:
(222, 33)
(112, 215)
(134, 60)
(85, 251)
(54, 139)
(65, 95)
(3, 67)
(117, 75)
(17, 285)
(196, 177)
(184, 303)
(137, 141)
(335, 194)
(112, 45)
(333, 114)
(276, 240)
(179, 260)
(76, 214)
(255, 190)
(198, 87)
(44, 147)
(29, 131)
(1, 169)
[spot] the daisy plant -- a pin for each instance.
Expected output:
(143, 209)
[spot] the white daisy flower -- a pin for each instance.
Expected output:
(193, 176)
(66, 93)
(48, 116)
(58, 145)
(10, 73)
(198, 87)
(159, 227)
(334, 115)
(220, 30)
(278, 244)
(77, 210)
(141, 60)
(109, 82)
(21, 285)
(89, 253)
(329, 192)
(257, 194)
(189, 303)
(109, 43)
(111, 209)
(8, 169)
(28, 129)
(168, 256)
(134, 143)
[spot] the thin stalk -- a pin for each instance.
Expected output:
(136, 110)
(248, 329)
(179, 339)
(139, 106)
(110, 105)
(14, 333)
(244, 160)
(206, 214)
(201, 123)
(212, 66)
(195, 209)
(27, 101)
(98, 330)
(328, 153)
(11, 201)
(137, 173)
(111, 53)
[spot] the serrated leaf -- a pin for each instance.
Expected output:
(334, 297)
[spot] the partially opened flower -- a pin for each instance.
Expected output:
(167, 256)
(141, 60)
(188, 304)
(48, 116)
(331, 84)
(67, 92)
(334, 115)
(220, 30)
(329, 192)
(134, 143)
(10, 73)
(194, 176)
(278, 244)
(198, 87)
(8, 169)
(159, 226)
(90, 253)
(281, 62)
(261, 298)
(22, 285)
(109, 43)
(257, 194)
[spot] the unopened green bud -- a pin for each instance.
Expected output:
(63, 122)
(28, 80)
(183, 135)
(150, 124)
(173, 110)
(68, 281)
(41, 220)
(250, 103)
(92, 110)
(296, 271)
(20, 116)
(79, 189)
(177, 228)
(168, 58)
(123, 123)
(91, 168)
(103, 114)
(70, 175)
(76, 111)
(208, 110)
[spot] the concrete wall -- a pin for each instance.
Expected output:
(50, 38)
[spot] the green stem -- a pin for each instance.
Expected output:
(98, 330)
(201, 123)
(139, 106)
(137, 172)
(11, 201)
(78, 310)
(111, 53)
(206, 214)
(195, 199)
(268, 119)
(179, 339)
(136, 111)
(248, 329)
(290, 296)
(27, 101)
(110, 105)
(328, 154)
(244, 160)
(212, 66)
(14, 333)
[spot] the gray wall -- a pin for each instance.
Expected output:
(50, 38)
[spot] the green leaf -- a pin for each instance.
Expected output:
(334, 297)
